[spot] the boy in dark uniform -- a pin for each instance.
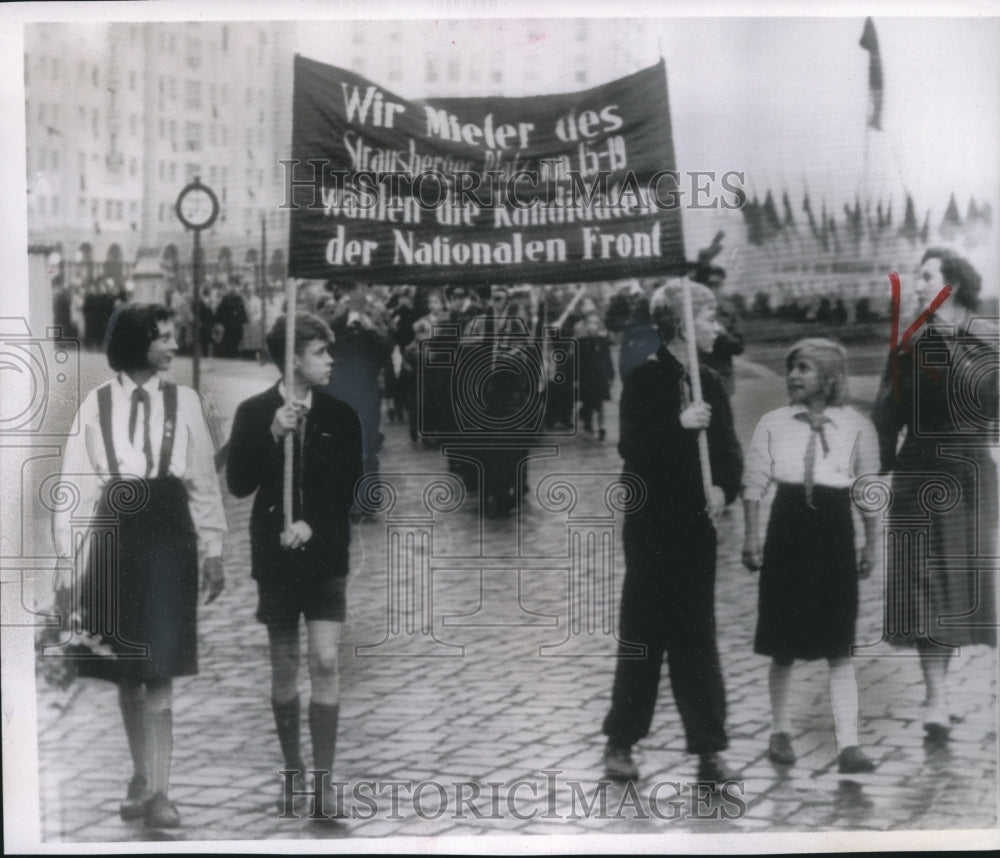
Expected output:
(668, 597)
(301, 569)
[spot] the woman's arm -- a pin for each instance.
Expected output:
(892, 403)
(200, 478)
(751, 534)
(79, 475)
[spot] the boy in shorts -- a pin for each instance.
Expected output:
(301, 570)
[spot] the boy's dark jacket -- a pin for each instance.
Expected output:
(323, 486)
(663, 453)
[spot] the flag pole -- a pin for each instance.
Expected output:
(570, 306)
(290, 290)
(694, 371)
(262, 279)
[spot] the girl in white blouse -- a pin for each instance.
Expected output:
(813, 450)
(143, 466)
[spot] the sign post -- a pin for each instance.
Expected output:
(197, 208)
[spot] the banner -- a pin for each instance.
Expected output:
(543, 189)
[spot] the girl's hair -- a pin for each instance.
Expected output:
(131, 331)
(307, 328)
(831, 361)
(666, 307)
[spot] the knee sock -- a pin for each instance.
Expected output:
(132, 701)
(286, 720)
(779, 681)
(323, 729)
(844, 698)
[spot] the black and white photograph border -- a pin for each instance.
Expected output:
(484, 690)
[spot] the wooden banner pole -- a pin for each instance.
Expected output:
(694, 372)
(290, 295)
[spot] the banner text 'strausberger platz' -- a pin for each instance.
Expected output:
(487, 190)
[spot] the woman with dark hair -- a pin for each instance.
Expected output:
(144, 458)
(942, 391)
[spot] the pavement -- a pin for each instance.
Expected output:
(476, 666)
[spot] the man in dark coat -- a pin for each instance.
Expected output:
(729, 343)
(301, 569)
(668, 597)
(362, 346)
(639, 337)
(232, 315)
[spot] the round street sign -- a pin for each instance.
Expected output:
(197, 206)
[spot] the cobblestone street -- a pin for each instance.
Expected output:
(476, 666)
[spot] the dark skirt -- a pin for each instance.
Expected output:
(808, 599)
(140, 591)
(941, 580)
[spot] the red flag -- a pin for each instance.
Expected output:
(869, 41)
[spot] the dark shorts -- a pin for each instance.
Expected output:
(281, 603)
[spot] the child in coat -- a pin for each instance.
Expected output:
(301, 570)
(813, 450)
(596, 374)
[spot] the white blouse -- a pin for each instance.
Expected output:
(192, 461)
(778, 449)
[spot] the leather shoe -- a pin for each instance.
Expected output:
(779, 749)
(161, 813)
(134, 805)
(618, 763)
(852, 761)
(937, 722)
(713, 769)
(937, 732)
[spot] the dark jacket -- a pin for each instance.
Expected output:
(323, 486)
(663, 453)
(947, 397)
(596, 370)
(727, 344)
(639, 341)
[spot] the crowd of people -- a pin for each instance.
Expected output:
(233, 314)
(356, 346)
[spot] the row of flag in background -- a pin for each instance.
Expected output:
(862, 227)
(872, 226)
